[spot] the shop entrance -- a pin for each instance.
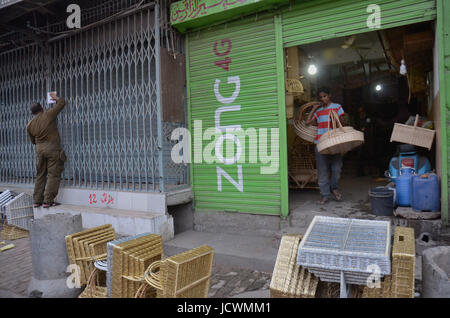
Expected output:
(366, 76)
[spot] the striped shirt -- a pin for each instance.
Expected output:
(321, 116)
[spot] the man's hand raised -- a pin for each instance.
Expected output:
(53, 96)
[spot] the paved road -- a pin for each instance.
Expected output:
(226, 282)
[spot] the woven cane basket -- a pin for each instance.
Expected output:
(403, 263)
(185, 275)
(85, 247)
(413, 135)
(93, 288)
(129, 259)
(339, 139)
(306, 132)
(290, 280)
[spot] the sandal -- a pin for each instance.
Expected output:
(36, 205)
(337, 195)
(46, 205)
(323, 201)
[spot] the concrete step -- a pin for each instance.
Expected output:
(124, 222)
(255, 252)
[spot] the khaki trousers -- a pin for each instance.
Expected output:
(49, 166)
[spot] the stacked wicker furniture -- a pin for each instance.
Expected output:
(185, 275)
(85, 247)
(128, 260)
(403, 263)
(290, 280)
(301, 165)
(339, 139)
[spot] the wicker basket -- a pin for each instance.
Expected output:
(413, 135)
(339, 139)
(93, 288)
(383, 292)
(403, 263)
(185, 275)
(87, 246)
(290, 280)
(12, 233)
(306, 132)
(129, 262)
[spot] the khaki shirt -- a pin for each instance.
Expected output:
(42, 129)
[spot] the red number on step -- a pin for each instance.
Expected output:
(92, 198)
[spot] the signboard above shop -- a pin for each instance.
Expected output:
(191, 14)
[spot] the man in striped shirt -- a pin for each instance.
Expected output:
(319, 114)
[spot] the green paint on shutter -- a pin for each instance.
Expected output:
(443, 30)
(248, 49)
(317, 20)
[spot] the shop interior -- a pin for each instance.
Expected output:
(380, 78)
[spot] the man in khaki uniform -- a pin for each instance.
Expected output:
(43, 132)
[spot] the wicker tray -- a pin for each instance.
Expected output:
(339, 139)
(185, 275)
(290, 280)
(13, 233)
(413, 135)
(306, 132)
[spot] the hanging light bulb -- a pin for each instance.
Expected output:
(403, 68)
(378, 87)
(312, 69)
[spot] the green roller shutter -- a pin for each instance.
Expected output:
(443, 31)
(243, 56)
(317, 20)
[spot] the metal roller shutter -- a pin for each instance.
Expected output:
(250, 47)
(313, 21)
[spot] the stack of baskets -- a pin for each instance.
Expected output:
(290, 280)
(339, 139)
(85, 247)
(306, 132)
(185, 275)
(127, 262)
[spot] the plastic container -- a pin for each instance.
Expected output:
(382, 201)
(403, 186)
(425, 194)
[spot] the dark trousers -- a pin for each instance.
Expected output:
(324, 163)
